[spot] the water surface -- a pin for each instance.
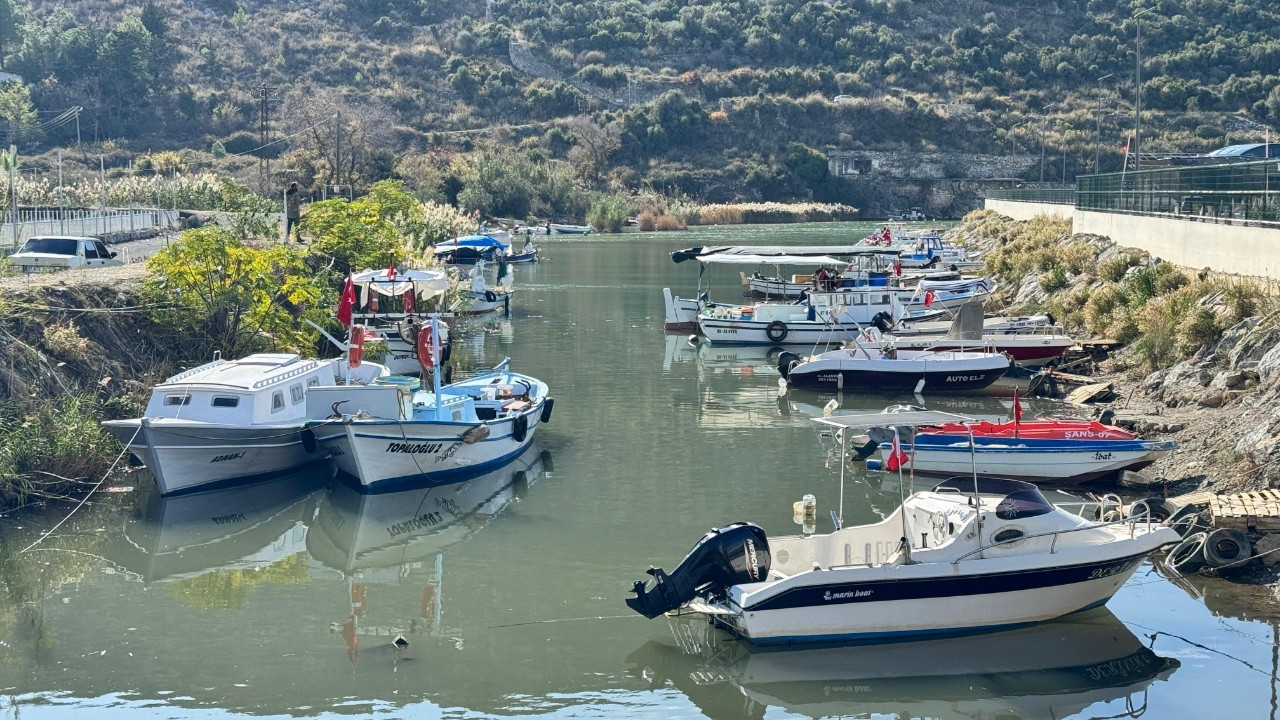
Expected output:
(283, 599)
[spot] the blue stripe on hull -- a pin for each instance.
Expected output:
(444, 477)
(896, 636)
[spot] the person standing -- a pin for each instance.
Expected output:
(292, 207)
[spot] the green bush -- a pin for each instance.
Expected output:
(609, 213)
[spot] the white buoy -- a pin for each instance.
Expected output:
(830, 407)
(920, 386)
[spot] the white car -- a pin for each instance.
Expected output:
(61, 253)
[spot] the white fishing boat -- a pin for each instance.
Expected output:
(394, 434)
(1031, 345)
(483, 298)
(234, 419)
(876, 368)
(970, 555)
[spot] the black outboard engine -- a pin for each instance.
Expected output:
(727, 556)
(883, 322)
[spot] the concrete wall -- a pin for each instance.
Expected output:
(1226, 248)
(1019, 210)
(1235, 249)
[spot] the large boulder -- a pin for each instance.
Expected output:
(1185, 381)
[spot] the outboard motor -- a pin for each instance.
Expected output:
(883, 322)
(786, 361)
(724, 557)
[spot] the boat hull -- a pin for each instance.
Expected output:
(385, 455)
(186, 456)
(946, 603)
(844, 372)
(1056, 461)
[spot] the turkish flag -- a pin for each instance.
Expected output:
(897, 458)
(347, 302)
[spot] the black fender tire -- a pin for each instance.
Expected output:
(1188, 556)
(308, 440)
(520, 428)
(1189, 524)
(490, 296)
(776, 331)
(787, 361)
(448, 375)
(547, 406)
(1159, 508)
(1227, 547)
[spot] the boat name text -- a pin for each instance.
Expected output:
(227, 457)
(224, 519)
(829, 596)
(427, 519)
(414, 448)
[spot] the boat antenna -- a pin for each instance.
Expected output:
(977, 499)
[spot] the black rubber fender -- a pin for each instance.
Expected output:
(547, 406)
(1188, 556)
(776, 331)
(787, 361)
(490, 296)
(308, 440)
(1159, 508)
(1188, 524)
(520, 428)
(448, 375)
(1227, 547)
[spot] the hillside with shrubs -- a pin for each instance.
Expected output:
(712, 100)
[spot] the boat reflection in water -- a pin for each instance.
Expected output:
(1048, 670)
(244, 527)
(389, 547)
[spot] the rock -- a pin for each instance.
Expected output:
(1030, 291)
(1131, 479)
(1229, 380)
(1232, 336)
(1153, 381)
(1268, 544)
(1269, 366)
(1184, 381)
(1211, 398)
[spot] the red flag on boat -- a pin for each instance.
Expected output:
(897, 267)
(347, 302)
(1017, 412)
(888, 236)
(391, 269)
(897, 458)
(928, 298)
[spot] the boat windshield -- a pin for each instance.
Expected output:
(1021, 499)
(52, 245)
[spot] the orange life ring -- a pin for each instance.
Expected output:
(425, 357)
(355, 353)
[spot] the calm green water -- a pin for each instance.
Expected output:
(283, 599)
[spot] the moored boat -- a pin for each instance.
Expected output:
(970, 555)
(233, 420)
(563, 229)
(868, 368)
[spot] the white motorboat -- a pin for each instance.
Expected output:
(392, 434)
(970, 555)
(870, 367)
(1031, 346)
(1056, 451)
(483, 298)
(234, 419)
(563, 229)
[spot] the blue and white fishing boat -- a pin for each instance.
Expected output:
(970, 555)
(393, 434)
(563, 229)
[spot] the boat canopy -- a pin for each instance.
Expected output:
(475, 242)
(426, 283)
(769, 260)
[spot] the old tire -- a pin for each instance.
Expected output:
(1227, 549)
(1189, 524)
(1188, 555)
(520, 428)
(1159, 508)
(490, 296)
(776, 331)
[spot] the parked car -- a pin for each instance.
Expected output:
(61, 253)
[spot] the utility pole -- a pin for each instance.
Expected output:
(1042, 150)
(337, 150)
(1137, 93)
(1097, 144)
(264, 134)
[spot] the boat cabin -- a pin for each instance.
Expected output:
(261, 389)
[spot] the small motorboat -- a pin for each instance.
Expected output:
(561, 229)
(234, 419)
(970, 555)
(862, 367)
(1033, 345)
(394, 433)
(1052, 451)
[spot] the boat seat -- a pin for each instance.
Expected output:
(515, 405)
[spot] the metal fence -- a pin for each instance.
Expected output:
(1237, 193)
(30, 223)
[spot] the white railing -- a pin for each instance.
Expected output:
(30, 223)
